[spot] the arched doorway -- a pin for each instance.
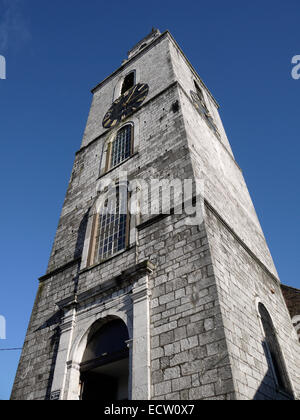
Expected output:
(104, 370)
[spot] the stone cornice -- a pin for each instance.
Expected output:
(130, 274)
(60, 269)
(241, 242)
(160, 217)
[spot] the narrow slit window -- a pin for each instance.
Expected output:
(128, 82)
(122, 145)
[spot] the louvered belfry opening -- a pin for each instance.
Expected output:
(128, 82)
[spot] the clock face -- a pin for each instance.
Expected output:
(203, 110)
(125, 105)
(199, 103)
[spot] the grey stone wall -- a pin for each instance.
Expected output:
(225, 187)
(188, 349)
(242, 282)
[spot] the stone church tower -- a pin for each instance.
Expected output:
(139, 302)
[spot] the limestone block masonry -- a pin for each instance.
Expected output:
(189, 294)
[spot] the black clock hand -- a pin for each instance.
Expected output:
(130, 96)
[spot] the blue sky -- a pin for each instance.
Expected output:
(56, 51)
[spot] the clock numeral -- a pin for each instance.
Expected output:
(144, 92)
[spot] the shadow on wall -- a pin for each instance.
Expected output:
(271, 388)
(81, 235)
(53, 323)
(296, 324)
(54, 347)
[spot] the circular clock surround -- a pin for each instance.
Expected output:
(199, 102)
(125, 105)
(203, 110)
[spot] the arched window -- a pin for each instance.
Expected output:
(105, 364)
(128, 82)
(122, 146)
(111, 225)
(273, 351)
